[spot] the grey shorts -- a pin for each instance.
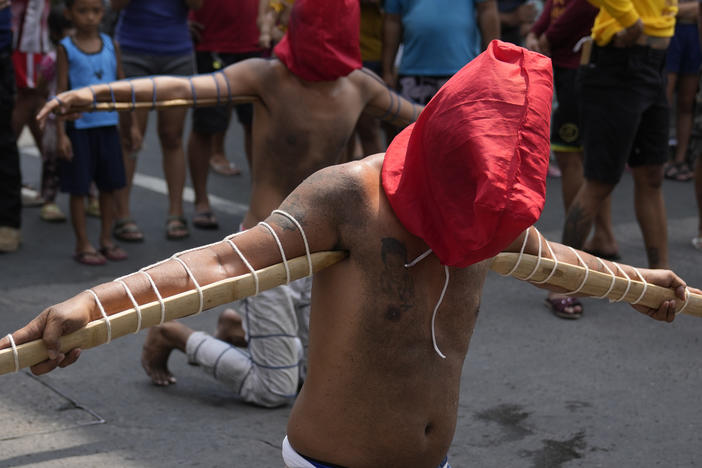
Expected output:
(139, 64)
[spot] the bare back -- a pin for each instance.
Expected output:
(299, 127)
(376, 390)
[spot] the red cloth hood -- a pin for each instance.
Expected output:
(323, 39)
(470, 175)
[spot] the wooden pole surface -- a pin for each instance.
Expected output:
(177, 306)
(171, 103)
(569, 277)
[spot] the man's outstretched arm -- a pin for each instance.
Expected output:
(314, 205)
(385, 104)
(240, 79)
(564, 254)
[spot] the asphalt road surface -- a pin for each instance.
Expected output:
(614, 389)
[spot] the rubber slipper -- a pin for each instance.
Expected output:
(697, 243)
(225, 168)
(127, 230)
(114, 253)
(51, 213)
(558, 306)
(176, 228)
(205, 220)
(90, 258)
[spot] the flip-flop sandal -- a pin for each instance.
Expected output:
(205, 220)
(113, 252)
(51, 213)
(176, 228)
(679, 172)
(127, 230)
(90, 258)
(697, 243)
(559, 305)
(225, 168)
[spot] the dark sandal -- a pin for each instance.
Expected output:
(176, 228)
(559, 305)
(127, 230)
(90, 258)
(205, 220)
(113, 253)
(679, 172)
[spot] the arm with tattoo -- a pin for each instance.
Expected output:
(385, 104)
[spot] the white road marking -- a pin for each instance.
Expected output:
(158, 185)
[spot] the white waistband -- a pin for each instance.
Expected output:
(293, 459)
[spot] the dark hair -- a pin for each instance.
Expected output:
(58, 22)
(69, 3)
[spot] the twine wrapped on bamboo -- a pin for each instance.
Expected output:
(569, 277)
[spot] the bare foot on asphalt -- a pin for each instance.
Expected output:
(154, 356)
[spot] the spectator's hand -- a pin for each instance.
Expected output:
(50, 325)
(66, 104)
(65, 149)
(526, 13)
(544, 45)
(666, 279)
(629, 36)
(531, 42)
(195, 30)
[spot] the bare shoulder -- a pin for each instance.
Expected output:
(367, 80)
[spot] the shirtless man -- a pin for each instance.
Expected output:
(308, 103)
(387, 345)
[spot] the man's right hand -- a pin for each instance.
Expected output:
(628, 37)
(66, 104)
(54, 322)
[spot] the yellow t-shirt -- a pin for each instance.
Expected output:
(371, 32)
(658, 17)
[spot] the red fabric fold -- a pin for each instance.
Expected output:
(470, 175)
(323, 39)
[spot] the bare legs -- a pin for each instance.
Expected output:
(163, 339)
(170, 132)
(686, 89)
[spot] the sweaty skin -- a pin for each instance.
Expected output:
(376, 392)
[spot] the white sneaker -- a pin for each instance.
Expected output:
(9, 239)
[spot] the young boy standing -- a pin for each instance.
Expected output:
(90, 146)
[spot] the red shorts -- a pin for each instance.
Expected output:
(26, 68)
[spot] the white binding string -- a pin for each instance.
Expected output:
(280, 246)
(302, 232)
(628, 284)
(418, 259)
(587, 272)
(243, 259)
(521, 254)
(687, 299)
(438, 303)
(156, 291)
(15, 354)
(436, 309)
(611, 274)
(555, 265)
(538, 258)
(192, 277)
(104, 315)
(645, 286)
(136, 305)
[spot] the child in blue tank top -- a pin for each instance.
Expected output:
(90, 146)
